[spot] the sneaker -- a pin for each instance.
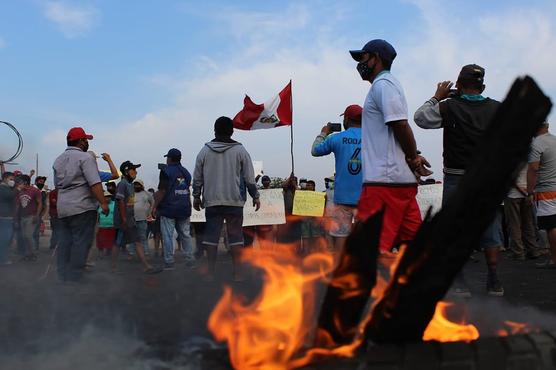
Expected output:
(495, 288)
(548, 264)
(461, 292)
(190, 264)
(168, 266)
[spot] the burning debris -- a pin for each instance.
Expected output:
(276, 330)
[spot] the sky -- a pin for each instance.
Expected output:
(146, 76)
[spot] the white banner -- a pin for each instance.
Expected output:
(271, 211)
(429, 196)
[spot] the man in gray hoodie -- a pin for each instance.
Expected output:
(223, 174)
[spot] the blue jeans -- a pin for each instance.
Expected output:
(492, 237)
(36, 235)
(6, 231)
(76, 237)
(182, 226)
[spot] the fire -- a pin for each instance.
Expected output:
(271, 331)
(513, 328)
(441, 329)
(277, 329)
(268, 332)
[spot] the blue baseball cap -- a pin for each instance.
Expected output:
(381, 47)
(173, 153)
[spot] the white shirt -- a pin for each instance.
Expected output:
(382, 156)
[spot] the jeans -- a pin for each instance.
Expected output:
(54, 226)
(142, 235)
(6, 231)
(36, 235)
(492, 236)
(76, 237)
(27, 226)
(215, 218)
(182, 226)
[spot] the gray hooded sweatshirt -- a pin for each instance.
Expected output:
(223, 172)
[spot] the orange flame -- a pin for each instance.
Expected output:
(268, 332)
(272, 331)
(513, 328)
(441, 329)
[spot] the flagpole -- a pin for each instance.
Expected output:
(291, 128)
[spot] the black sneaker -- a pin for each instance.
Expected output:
(494, 287)
(191, 265)
(168, 266)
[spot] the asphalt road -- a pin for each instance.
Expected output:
(133, 312)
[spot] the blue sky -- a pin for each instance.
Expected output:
(144, 76)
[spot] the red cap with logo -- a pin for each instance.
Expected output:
(77, 133)
(353, 112)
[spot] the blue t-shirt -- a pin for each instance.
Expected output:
(105, 176)
(346, 147)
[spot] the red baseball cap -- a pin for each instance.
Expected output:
(77, 133)
(353, 111)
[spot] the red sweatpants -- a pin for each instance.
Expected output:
(402, 217)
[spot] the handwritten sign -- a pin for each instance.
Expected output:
(429, 196)
(308, 203)
(271, 211)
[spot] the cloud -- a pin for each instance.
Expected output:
(324, 78)
(72, 20)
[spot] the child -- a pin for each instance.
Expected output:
(106, 234)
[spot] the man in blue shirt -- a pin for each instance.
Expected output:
(173, 207)
(346, 147)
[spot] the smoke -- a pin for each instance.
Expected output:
(489, 316)
(96, 348)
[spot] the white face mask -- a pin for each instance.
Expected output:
(11, 183)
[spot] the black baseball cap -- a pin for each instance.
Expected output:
(127, 165)
(381, 47)
(472, 72)
(173, 153)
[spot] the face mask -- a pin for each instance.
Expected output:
(40, 186)
(11, 183)
(364, 70)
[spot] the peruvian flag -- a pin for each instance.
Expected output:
(275, 112)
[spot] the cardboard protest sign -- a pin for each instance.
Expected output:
(429, 196)
(271, 211)
(308, 203)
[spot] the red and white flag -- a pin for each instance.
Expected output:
(275, 112)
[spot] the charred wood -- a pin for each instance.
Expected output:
(444, 243)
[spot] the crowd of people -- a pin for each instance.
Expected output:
(377, 168)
